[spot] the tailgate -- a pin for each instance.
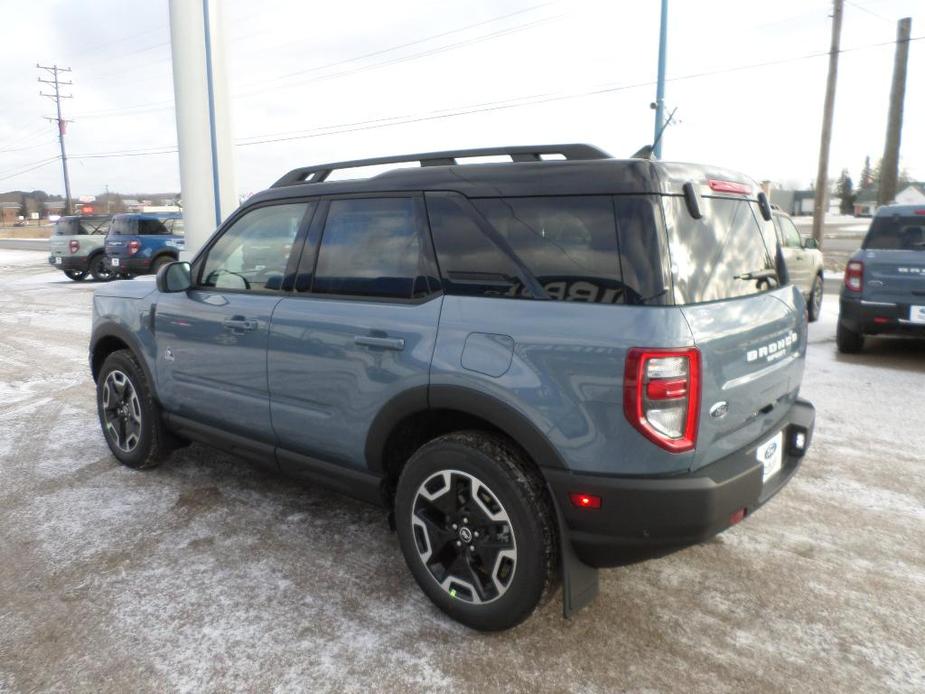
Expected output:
(117, 246)
(58, 245)
(753, 351)
(894, 276)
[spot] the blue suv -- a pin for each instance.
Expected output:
(534, 365)
(142, 243)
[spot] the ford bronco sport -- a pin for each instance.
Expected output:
(142, 243)
(76, 247)
(533, 365)
(884, 288)
(804, 260)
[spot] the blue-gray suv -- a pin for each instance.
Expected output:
(884, 288)
(537, 366)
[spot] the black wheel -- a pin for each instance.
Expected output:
(100, 269)
(814, 305)
(129, 416)
(476, 528)
(848, 341)
(159, 263)
(76, 275)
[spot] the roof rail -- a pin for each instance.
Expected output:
(317, 174)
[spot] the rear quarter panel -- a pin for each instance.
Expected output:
(561, 364)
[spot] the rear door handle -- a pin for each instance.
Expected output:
(239, 324)
(396, 343)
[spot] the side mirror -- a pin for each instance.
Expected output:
(174, 277)
(810, 243)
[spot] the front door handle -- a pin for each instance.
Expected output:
(239, 324)
(396, 343)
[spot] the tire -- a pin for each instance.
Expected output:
(848, 341)
(100, 269)
(129, 416)
(814, 305)
(160, 262)
(76, 275)
(496, 580)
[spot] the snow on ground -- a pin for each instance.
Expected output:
(209, 575)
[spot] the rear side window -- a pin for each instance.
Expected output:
(569, 244)
(152, 226)
(895, 233)
(124, 226)
(69, 227)
(371, 247)
(712, 257)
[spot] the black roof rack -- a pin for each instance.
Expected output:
(317, 174)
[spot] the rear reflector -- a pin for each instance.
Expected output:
(729, 187)
(881, 319)
(737, 516)
(580, 500)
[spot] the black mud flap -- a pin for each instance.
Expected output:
(579, 581)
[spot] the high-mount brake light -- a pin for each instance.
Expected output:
(920, 210)
(718, 186)
(73, 245)
(854, 276)
(661, 395)
(133, 246)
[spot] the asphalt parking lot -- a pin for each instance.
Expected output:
(206, 574)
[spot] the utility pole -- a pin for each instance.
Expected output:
(62, 123)
(108, 201)
(660, 85)
(826, 140)
(889, 166)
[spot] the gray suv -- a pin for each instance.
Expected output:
(535, 366)
(884, 288)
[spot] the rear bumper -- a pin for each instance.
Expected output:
(80, 263)
(877, 318)
(678, 510)
(132, 265)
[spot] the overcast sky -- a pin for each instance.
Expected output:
(362, 78)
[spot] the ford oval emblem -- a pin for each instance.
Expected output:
(770, 450)
(719, 410)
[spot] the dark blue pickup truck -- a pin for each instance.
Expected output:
(142, 243)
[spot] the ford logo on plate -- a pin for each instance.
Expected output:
(719, 410)
(770, 450)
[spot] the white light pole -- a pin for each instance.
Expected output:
(203, 118)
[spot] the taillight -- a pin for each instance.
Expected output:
(133, 247)
(854, 276)
(661, 395)
(73, 245)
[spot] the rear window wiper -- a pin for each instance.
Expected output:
(764, 274)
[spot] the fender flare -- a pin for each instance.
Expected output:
(470, 401)
(133, 343)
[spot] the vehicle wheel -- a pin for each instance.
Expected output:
(129, 416)
(848, 341)
(815, 299)
(75, 275)
(159, 263)
(476, 527)
(100, 269)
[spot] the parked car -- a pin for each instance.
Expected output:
(142, 243)
(804, 262)
(884, 288)
(77, 247)
(532, 365)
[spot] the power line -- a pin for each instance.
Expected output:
(31, 168)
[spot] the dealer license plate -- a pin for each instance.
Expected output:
(771, 454)
(114, 262)
(917, 314)
(58, 260)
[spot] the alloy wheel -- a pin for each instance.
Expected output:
(121, 411)
(464, 536)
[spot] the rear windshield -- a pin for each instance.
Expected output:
(142, 226)
(76, 226)
(723, 255)
(895, 233)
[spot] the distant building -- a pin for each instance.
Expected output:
(9, 213)
(794, 202)
(865, 204)
(53, 207)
